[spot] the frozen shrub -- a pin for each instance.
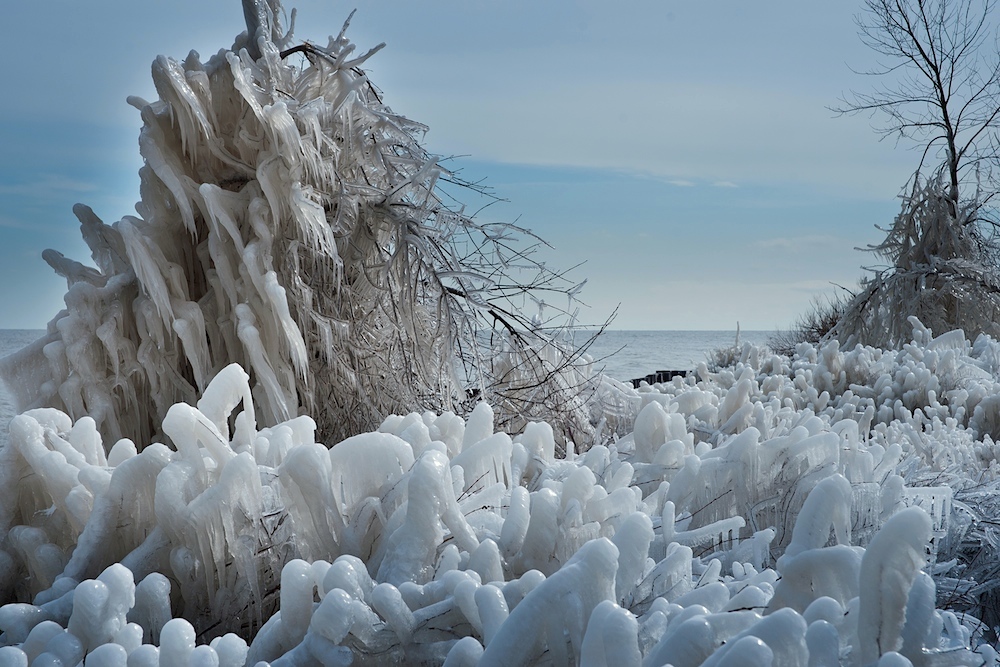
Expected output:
(942, 270)
(290, 221)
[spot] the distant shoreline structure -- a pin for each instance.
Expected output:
(657, 377)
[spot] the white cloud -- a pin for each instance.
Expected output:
(717, 133)
(12, 223)
(47, 186)
(798, 243)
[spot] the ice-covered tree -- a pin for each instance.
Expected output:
(941, 269)
(941, 90)
(292, 222)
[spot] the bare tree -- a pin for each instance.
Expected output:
(940, 88)
(940, 83)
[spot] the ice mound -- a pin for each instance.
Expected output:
(789, 536)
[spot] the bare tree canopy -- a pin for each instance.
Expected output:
(940, 82)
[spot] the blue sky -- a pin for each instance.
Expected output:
(682, 150)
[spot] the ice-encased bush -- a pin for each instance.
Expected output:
(747, 520)
(290, 221)
(939, 266)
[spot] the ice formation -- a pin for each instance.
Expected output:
(828, 508)
(291, 222)
(806, 534)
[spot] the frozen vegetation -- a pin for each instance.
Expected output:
(198, 477)
(832, 508)
(290, 221)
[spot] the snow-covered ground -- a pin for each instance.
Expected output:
(831, 508)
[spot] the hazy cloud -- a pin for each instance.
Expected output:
(9, 222)
(799, 242)
(46, 186)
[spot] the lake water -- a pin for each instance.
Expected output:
(623, 354)
(12, 340)
(633, 354)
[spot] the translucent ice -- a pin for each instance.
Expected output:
(431, 505)
(479, 425)
(888, 569)
(611, 638)
(100, 606)
(558, 609)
